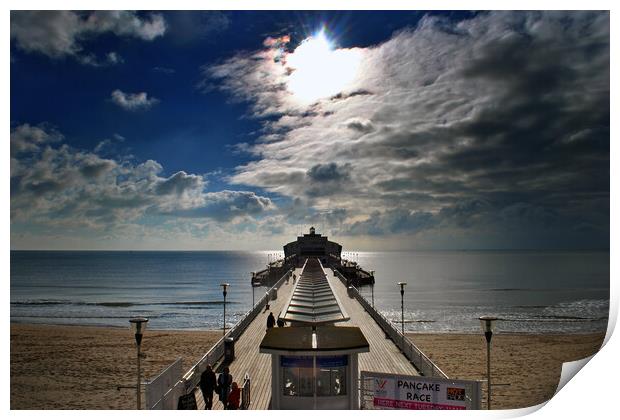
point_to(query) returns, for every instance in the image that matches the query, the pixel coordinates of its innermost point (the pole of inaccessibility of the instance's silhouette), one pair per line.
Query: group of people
(271, 321)
(227, 390)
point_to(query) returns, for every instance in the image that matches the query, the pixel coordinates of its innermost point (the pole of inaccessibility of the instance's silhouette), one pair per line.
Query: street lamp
(487, 323)
(138, 325)
(224, 287)
(372, 288)
(402, 285)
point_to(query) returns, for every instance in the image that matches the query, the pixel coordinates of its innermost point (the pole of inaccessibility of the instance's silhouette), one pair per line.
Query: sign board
(390, 391)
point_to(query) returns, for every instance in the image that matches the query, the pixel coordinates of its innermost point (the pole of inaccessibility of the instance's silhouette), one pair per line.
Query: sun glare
(319, 70)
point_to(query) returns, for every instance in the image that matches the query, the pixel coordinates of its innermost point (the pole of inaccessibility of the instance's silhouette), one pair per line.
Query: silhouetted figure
(224, 382)
(234, 397)
(280, 322)
(271, 321)
(207, 386)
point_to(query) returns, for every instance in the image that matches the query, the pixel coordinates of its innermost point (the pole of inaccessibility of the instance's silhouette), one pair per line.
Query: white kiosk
(314, 363)
(314, 368)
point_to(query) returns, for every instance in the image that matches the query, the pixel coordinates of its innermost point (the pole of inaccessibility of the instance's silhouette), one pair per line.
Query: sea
(446, 291)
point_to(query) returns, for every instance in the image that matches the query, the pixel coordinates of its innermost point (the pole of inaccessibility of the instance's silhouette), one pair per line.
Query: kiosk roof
(328, 338)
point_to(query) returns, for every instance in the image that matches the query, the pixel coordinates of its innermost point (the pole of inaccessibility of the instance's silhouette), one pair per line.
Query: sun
(319, 70)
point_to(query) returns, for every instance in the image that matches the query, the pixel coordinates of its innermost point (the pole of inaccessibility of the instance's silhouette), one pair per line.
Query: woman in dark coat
(207, 386)
(224, 382)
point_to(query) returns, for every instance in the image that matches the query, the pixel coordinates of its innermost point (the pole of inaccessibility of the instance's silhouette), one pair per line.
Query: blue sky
(236, 129)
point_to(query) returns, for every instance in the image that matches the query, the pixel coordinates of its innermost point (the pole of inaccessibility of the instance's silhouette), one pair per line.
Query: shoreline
(79, 367)
(408, 333)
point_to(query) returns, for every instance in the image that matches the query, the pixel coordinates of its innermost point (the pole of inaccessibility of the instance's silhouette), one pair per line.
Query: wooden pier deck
(249, 360)
(384, 355)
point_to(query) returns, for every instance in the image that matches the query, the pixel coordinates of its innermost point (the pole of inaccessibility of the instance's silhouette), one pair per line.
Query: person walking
(234, 397)
(224, 381)
(280, 322)
(207, 386)
(271, 320)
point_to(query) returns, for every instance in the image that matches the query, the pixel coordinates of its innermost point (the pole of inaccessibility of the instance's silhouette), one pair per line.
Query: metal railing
(156, 390)
(167, 398)
(191, 379)
(423, 363)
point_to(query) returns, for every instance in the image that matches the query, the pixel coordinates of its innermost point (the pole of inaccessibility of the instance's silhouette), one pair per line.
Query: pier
(389, 352)
(384, 355)
(332, 335)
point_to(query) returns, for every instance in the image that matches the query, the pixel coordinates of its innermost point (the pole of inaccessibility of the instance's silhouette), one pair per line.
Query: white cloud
(54, 186)
(60, 34)
(133, 101)
(441, 114)
(27, 138)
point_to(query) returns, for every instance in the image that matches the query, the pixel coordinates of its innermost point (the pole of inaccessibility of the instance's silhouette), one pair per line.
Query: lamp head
(138, 325)
(224, 287)
(487, 323)
(402, 285)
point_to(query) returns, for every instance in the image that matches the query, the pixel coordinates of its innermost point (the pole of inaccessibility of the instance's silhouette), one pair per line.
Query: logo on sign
(455, 394)
(380, 387)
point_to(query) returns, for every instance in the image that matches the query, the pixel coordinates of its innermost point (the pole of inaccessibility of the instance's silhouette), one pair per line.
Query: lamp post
(372, 288)
(224, 292)
(402, 285)
(138, 325)
(487, 323)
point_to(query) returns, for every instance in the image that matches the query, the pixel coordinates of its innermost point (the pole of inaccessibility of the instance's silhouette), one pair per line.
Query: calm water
(446, 291)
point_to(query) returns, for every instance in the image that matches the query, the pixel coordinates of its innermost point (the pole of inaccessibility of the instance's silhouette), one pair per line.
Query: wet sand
(66, 367)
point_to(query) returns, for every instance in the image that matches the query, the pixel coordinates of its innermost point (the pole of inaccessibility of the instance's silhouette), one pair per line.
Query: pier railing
(192, 377)
(423, 363)
(168, 398)
(156, 390)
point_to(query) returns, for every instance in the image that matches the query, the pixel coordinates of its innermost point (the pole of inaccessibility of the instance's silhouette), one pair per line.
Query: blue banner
(332, 361)
(296, 361)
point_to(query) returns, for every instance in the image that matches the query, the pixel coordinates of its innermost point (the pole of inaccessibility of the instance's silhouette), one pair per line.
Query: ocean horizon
(531, 291)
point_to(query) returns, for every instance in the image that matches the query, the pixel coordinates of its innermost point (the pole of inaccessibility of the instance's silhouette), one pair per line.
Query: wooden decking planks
(384, 355)
(249, 360)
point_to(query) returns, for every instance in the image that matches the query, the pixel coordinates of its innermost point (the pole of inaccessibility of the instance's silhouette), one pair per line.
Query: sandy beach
(528, 366)
(66, 367)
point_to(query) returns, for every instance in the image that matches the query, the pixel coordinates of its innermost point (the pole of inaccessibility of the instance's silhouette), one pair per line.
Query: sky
(239, 129)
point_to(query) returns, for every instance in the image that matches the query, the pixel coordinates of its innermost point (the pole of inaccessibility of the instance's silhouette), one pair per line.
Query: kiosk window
(291, 381)
(331, 381)
(298, 376)
(297, 381)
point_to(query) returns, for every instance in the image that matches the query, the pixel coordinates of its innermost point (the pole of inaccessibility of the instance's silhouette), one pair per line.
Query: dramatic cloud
(26, 138)
(59, 34)
(62, 186)
(133, 101)
(499, 123)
